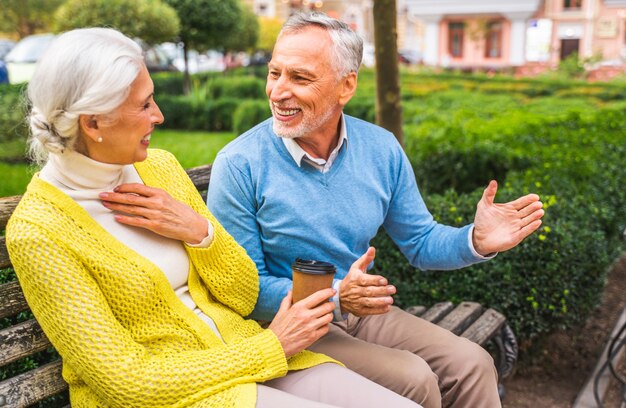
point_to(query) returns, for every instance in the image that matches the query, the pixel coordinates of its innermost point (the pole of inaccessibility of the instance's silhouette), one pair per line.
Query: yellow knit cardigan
(125, 338)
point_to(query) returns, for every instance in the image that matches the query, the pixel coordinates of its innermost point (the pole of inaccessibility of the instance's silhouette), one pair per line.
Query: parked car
(5, 46)
(210, 60)
(409, 56)
(4, 74)
(21, 60)
(157, 57)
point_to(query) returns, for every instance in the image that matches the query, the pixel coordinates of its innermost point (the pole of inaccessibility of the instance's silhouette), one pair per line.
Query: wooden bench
(24, 339)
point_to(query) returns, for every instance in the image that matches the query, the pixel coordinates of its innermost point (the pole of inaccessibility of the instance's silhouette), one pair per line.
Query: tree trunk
(388, 102)
(186, 77)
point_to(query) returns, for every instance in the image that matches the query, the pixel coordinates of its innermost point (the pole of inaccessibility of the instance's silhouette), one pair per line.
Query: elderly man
(314, 183)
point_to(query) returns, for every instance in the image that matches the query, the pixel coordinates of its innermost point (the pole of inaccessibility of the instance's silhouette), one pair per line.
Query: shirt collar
(298, 153)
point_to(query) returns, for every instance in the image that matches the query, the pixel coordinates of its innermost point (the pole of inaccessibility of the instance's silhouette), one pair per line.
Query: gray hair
(348, 45)
(86, 71)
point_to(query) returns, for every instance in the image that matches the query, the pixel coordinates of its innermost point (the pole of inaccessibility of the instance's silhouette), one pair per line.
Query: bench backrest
(24, 339)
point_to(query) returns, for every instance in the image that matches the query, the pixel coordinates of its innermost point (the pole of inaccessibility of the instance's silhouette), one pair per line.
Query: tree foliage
(26, 17)
(246, 32)
(206, 24)
(151, 20)
(270, 27)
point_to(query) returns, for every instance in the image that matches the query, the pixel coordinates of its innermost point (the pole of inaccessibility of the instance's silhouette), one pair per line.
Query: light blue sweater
(279, 211)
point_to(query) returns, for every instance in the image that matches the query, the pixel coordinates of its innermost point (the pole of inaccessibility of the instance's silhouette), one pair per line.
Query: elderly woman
(134, 282)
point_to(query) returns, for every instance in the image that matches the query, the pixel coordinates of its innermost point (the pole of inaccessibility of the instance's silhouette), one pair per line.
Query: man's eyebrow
(293, 71)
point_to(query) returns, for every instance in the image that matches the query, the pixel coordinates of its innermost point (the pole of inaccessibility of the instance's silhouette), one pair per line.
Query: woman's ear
(89, 126)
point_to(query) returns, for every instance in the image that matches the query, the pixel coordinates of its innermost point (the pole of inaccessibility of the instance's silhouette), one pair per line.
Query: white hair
(86, 71)
(347, 45)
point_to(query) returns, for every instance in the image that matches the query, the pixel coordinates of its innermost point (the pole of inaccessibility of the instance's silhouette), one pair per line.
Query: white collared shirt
(298, 154)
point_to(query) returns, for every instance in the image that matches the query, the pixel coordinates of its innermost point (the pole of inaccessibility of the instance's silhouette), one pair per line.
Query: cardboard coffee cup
(310, 276)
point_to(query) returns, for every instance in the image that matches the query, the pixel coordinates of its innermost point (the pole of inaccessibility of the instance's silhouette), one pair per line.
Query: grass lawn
(191, 148)
(15, 178)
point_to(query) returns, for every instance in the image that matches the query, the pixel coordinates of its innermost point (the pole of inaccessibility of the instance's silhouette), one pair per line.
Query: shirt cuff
(471, 245)
(338, 316)
(207, 240)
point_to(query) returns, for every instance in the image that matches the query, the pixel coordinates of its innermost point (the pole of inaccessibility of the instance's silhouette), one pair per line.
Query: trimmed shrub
(167, 83)
(237, 87)
(13, 111)
(362, 108)
(250, 113)
(220, 113)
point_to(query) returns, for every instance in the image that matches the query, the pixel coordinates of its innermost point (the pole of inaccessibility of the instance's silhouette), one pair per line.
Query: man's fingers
(489, 194)
(524, 201)
(528, 229)
(534, 216)
(371, 280)
(378, 291)
(529, 209)
(363, 262)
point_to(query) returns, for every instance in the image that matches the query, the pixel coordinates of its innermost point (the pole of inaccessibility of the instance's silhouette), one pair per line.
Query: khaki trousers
(327, 385)
(414, 358)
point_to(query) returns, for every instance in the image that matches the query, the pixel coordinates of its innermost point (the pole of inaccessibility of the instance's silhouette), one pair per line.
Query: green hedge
(236, 87)
(574, 161)
(12, 113)
(250, 113)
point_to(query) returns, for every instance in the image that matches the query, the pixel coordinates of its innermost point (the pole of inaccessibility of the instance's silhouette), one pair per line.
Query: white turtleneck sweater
(83, 179)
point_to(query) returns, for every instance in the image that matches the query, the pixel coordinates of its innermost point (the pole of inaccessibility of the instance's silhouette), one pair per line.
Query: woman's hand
(155, 210)
(302, 324)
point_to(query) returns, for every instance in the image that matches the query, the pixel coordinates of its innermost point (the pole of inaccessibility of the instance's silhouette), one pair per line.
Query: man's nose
(280, 89)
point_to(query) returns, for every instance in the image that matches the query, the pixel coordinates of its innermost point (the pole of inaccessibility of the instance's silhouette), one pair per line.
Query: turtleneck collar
(76, 171)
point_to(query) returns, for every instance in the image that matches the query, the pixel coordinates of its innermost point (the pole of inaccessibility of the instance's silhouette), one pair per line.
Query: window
(572, 4)
(455, 39)
(493, 40)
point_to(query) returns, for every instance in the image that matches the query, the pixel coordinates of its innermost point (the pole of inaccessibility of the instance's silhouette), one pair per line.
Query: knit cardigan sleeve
(224, 266)
(76, 317)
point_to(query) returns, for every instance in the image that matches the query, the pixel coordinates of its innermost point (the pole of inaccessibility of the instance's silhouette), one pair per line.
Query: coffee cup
(309, 276)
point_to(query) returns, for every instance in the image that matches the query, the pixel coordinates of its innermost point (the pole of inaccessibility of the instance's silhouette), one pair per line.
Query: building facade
(486, 34)
(591, 28)
(494, 34)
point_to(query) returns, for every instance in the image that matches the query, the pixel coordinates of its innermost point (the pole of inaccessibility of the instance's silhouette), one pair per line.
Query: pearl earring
(99, 139)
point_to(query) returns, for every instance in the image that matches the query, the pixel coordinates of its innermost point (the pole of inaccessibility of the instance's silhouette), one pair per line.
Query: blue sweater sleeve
(232, 201)
(426, 244)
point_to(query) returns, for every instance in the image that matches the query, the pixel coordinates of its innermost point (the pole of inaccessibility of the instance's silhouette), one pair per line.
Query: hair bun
(44, 131)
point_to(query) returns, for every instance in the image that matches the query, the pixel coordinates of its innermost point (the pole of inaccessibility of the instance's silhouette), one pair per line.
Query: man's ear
(348, 88)
(89, 126)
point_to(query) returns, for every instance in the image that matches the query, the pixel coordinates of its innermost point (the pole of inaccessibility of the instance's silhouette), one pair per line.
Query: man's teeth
(286, 112)
(147, 138)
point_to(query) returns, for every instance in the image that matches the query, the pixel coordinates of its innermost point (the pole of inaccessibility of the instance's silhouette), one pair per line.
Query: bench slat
(200, 176)
(22, 340)
(5, 262)
(437, 311)
(31, 387)
(461, 317)
(12, 299)
(416, 310)
(7, 205)
(485, 327)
